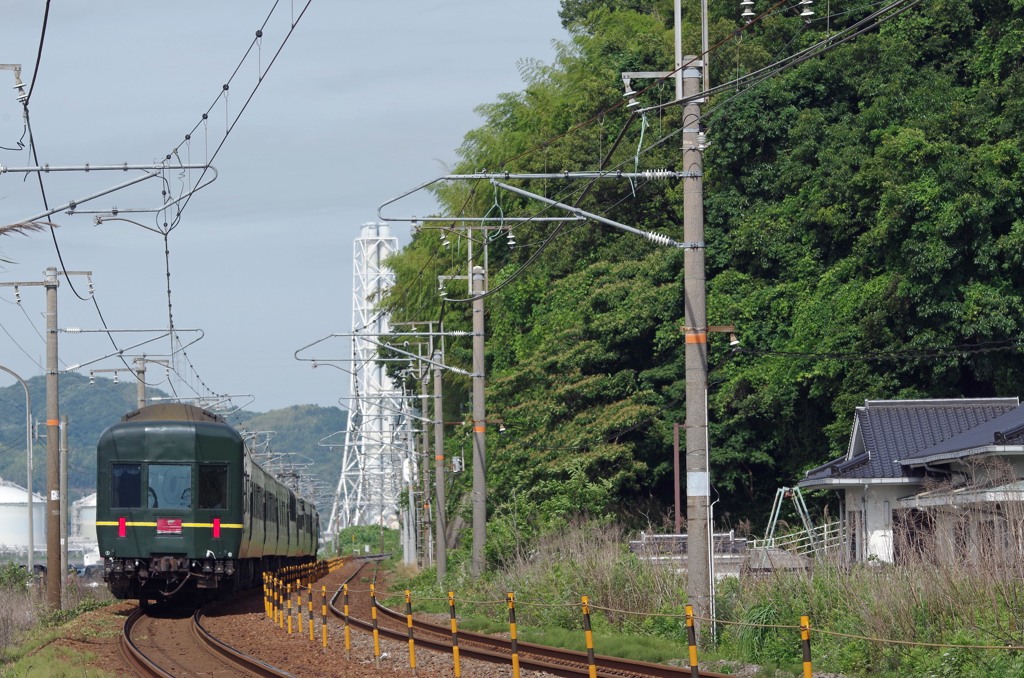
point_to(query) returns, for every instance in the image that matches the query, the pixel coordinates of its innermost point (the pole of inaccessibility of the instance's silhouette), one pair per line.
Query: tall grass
(958, 580)
(23, 603)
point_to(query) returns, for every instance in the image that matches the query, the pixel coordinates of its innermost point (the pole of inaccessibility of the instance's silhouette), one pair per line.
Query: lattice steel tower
(371, 472)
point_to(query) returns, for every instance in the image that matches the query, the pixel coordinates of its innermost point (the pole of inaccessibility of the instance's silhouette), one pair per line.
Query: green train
(182, 510)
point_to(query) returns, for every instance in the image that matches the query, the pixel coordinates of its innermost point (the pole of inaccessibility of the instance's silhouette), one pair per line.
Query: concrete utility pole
(479, 427)
(698, 484)
(54, 498)
(439, 491)
(54, 577)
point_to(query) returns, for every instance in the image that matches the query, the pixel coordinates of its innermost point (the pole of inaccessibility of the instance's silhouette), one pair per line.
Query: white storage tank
(14, 517)
(83, 518)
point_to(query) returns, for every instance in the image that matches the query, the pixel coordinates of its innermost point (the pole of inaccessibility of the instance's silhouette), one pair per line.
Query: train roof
(173, 412)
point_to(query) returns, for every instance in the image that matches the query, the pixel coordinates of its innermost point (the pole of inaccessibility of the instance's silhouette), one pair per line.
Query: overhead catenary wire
(868, 23)
(178, 208)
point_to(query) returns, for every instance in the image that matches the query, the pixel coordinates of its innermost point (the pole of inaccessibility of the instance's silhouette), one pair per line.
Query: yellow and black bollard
(344, 610)
(455, 635)
(310, 609)
(588, 635)
(323, 615)
(512, 634)
(280, 604)
(805, 642)
(691, 639)
(288, 595)
(376, 631)
(408, 620)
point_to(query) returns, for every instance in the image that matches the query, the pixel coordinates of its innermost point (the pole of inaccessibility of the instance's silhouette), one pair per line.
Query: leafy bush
(14, 577)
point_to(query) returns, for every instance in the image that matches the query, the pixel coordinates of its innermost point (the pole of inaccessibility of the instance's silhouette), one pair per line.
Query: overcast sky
(365, 101)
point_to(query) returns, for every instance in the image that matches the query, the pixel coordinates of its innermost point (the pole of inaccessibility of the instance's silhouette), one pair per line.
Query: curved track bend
(163, 644)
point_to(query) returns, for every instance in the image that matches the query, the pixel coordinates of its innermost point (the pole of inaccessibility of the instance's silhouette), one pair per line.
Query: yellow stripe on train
(114, 523)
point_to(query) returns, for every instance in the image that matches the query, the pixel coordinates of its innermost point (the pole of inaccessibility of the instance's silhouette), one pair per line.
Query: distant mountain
(93, 406)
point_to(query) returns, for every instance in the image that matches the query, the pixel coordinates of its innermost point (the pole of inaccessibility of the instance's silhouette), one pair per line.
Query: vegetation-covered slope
(864, 234)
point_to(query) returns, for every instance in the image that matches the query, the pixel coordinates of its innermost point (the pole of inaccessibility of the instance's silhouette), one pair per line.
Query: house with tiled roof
(922, 472)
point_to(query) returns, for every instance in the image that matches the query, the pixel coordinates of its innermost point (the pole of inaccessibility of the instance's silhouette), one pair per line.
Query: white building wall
(875, 503)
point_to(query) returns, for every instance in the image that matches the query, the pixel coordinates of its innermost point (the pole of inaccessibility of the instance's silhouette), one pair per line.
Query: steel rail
(135, 657)
(144, 666)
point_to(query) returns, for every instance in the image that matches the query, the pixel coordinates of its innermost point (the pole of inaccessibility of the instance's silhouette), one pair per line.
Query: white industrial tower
(375, 440)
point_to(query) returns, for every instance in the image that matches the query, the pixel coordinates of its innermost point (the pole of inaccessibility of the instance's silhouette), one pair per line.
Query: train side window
(213, 486)
(170, 486)
(126, 486)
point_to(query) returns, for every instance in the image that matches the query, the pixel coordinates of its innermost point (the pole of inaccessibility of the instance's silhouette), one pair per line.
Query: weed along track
(423, 635)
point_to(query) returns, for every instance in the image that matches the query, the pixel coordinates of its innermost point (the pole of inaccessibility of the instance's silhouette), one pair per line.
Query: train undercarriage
(175, 576)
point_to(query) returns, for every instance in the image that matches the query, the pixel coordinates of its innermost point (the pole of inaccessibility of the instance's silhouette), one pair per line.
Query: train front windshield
(170, 486)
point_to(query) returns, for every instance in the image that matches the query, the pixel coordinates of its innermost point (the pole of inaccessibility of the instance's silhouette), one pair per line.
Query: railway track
(556, 661)
(162, 643)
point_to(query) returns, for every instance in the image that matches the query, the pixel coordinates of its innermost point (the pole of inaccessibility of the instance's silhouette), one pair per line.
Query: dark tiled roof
(1006, 429)
(898, 429)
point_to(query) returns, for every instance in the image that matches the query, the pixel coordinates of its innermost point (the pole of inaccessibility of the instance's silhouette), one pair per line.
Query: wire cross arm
(450, 368)
(72, 205)
(105, 215)
(656, 238)
(366, 335)
(163, 333)
(477, 176)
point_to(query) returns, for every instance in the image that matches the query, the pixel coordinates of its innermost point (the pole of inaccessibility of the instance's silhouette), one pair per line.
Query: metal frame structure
(371, 469)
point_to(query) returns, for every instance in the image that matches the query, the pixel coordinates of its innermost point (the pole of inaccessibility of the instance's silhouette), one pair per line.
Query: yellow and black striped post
(691, 639)
(455, 635)
(323, 616)
(514, 639)
(266, 596)
(344, 610)
(805, 641)
(310, 609)
(408, 621)
(588, 634)
(288, 595)
(376, 631)
(280, 603)
(273, 598)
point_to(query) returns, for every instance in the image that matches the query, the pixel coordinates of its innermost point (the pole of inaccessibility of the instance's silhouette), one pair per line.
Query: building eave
(985, 450)
(825, 483)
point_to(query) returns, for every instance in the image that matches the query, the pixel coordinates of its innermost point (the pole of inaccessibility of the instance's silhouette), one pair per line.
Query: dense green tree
(864, 233)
